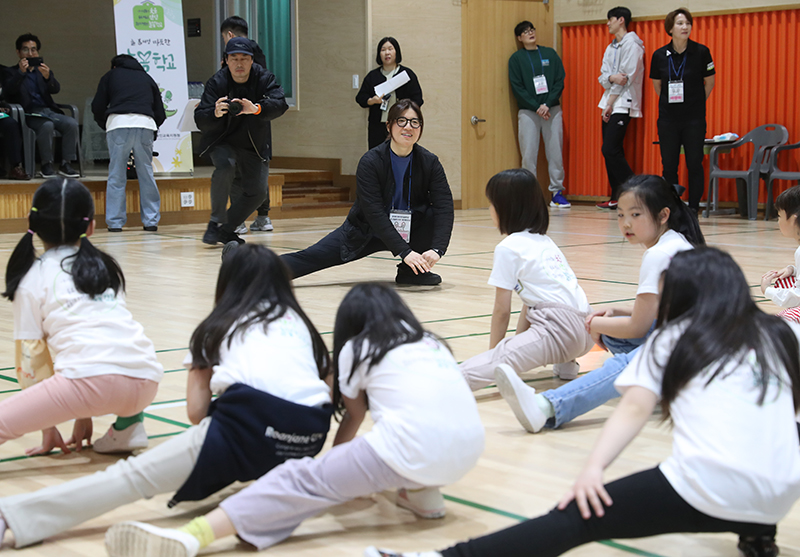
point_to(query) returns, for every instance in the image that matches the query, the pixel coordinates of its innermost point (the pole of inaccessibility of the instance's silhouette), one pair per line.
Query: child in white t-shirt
(781, 286)
(551, 327)
(649, 213)
(69, 302)
(735, 466)
(426, 433)
(262, 356)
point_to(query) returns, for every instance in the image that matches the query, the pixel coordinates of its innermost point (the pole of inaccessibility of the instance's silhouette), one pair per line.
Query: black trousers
(645, 504)
(10, 141)
(328, 251)
(617, 166)
(691, 134)
(251, 190)
(376, 133)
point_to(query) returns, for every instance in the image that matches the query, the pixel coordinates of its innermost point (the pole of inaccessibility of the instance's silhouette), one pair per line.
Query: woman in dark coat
(388, 60)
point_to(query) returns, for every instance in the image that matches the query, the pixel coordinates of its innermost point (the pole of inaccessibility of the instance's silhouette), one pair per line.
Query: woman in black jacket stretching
(403, 204)
(388, 60)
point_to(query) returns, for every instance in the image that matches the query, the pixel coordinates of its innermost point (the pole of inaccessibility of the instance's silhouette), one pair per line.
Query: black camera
(35, 61)
(234, 108)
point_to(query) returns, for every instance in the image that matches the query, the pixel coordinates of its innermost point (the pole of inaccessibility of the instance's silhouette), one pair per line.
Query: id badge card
(540, 84)
(385, 104)
(401, 220)
(675, 93)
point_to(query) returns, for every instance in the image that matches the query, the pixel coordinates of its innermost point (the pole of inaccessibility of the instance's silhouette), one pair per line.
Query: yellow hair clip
(34, 209)
(83, 236)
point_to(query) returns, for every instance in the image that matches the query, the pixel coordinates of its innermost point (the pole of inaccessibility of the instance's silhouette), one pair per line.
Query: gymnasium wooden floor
(171, 277)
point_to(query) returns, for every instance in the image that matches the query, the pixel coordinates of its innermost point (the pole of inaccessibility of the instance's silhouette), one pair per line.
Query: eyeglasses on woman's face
(402, 122)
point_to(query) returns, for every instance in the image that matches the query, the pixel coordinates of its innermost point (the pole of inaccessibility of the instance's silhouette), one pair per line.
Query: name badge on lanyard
(401, 220)
(675, 86)
(540, 84)
(675, 93)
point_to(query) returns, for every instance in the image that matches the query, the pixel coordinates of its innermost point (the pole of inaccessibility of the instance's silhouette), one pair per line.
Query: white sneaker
(262, 224)
(425, 503)
(241, 229)
(567, 371)
(373, 551)
(138, 539)
(129, 439)
(520, 397)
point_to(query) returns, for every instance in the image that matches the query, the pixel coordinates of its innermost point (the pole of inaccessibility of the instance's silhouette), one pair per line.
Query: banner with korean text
(152, 32)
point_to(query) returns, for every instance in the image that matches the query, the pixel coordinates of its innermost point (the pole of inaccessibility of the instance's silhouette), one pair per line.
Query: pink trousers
(58, 399)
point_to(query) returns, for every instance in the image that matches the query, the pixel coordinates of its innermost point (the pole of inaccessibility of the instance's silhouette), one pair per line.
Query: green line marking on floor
(7, 378)
(166, 420)
(10, 391)
(160, 435)
(520, 518)
(170, 350)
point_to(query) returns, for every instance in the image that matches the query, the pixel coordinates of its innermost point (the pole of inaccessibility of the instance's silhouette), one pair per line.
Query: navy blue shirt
(32, 85)
(400, 166)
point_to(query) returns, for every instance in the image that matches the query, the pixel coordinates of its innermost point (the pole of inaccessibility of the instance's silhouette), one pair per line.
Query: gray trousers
(269, 510)
(45, 132)
(557, 334)
(51, 510)
(254, 190)
(531, 125)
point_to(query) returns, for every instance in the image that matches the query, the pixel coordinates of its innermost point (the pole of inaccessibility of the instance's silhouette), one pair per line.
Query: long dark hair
(374, 314)
(705, 288)
(61, 213)
(656, 194)
(253, 287)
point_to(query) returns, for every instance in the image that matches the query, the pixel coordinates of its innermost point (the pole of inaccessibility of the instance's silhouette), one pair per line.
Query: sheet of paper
(390, 85)
(187, 119)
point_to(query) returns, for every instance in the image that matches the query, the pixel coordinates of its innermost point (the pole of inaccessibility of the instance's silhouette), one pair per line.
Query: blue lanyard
(679, 73)
(539, 50)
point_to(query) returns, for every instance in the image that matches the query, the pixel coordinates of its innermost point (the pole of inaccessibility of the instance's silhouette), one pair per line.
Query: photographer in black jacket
(234, 115)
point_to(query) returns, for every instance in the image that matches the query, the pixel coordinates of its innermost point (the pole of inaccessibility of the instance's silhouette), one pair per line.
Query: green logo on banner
(148, 17)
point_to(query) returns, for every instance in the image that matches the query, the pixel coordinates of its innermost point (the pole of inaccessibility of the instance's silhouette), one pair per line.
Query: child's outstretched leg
(124, 436)
(269, 510)
(557, 335)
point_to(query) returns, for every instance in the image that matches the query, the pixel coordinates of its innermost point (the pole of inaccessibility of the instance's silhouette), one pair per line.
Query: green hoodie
(521, 67)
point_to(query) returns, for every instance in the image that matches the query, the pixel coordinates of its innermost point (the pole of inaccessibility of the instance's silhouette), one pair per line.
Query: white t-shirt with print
(656, 259)
(533, 266)
(279, 361)
(731, 458)
(87, 336)
(426, 423)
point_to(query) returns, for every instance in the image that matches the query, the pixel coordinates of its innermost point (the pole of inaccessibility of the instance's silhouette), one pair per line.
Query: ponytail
(94, 271)
(19, 264)
(684, 220)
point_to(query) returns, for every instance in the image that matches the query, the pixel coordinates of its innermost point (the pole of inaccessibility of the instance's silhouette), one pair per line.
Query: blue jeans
(121, 142)
(589, 391)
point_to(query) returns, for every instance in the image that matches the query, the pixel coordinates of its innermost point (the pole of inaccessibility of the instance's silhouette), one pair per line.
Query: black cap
(239, 45)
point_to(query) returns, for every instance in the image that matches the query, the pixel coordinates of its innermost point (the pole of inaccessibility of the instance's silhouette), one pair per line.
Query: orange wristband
(257, 112)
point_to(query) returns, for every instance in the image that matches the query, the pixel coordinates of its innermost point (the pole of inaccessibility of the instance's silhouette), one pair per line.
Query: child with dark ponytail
(69, 303)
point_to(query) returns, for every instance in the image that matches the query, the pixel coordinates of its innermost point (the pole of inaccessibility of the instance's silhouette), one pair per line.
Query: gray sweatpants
(531, 125)
(163, 469)
(269, 510)
(557, 334)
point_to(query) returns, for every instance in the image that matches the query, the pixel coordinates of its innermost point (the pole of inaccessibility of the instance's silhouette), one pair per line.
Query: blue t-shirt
(400, 165)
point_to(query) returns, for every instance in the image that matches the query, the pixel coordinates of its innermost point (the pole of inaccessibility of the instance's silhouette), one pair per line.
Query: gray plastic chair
(775, 173)
(763, 138)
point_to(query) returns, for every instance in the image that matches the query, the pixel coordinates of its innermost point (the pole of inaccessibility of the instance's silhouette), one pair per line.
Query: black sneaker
(762, 546)
(211, 237)
(66, 170)
(226, 237)
(407, 277)
(150, 228)
(48, 171)
(113, 229)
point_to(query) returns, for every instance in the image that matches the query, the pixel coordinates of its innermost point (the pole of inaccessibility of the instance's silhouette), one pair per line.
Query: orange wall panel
(757, 58)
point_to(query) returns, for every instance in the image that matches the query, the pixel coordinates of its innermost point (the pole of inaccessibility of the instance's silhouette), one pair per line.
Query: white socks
(545, 406)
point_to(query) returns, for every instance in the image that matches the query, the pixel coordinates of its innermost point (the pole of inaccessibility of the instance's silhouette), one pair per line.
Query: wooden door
(487, 43)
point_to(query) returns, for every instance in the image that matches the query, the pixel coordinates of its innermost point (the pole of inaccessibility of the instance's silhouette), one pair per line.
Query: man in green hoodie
(537, 80)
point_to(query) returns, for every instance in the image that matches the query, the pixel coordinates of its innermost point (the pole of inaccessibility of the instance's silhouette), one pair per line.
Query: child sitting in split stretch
(781, 286)
(734, 466)
(426, 433)
(551, 327)
(70, 303)
(261, 354)
(650, 213)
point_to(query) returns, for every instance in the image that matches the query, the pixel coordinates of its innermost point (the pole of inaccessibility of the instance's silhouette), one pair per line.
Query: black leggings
(645, 504)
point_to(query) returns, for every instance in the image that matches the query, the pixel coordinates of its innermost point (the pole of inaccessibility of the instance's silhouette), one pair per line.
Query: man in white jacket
(621, 75)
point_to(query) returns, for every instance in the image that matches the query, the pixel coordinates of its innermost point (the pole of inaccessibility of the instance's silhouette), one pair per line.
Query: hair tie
(31, 232)
(82, 236)
(86, 218)
(34, 209)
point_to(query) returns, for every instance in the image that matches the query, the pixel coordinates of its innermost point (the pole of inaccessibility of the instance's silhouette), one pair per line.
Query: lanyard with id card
(675, 93)
(401, 218)
(539, 81)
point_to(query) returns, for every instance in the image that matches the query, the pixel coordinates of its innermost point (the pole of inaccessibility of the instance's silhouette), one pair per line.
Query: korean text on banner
(152, 32)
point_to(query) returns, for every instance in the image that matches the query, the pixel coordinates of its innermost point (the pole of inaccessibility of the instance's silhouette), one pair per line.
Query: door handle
(475, 120)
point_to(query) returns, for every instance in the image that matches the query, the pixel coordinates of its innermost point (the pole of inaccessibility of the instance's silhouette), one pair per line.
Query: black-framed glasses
(529, 31)
(415, 122)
